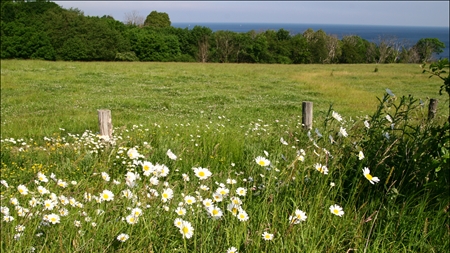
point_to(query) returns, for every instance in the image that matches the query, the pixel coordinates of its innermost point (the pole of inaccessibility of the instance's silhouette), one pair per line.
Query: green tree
(225, 45)
(353, 49)
(299, 49)
(317, 46)
(151, 45)
(242, 40)
(187, 51)
(371, 52)
(280, 46)
(333, 48)
(201, 40)
(157, 20)
(426, 47)
(101, 38)
(74, 49)
(273, 47)
(256, 50)
(22, 32)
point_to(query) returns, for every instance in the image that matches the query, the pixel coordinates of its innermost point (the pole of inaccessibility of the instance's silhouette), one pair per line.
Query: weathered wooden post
(307, 115)
(432, 108)
(105, 122)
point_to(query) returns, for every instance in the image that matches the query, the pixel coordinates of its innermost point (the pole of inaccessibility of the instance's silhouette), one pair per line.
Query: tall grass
(406, 211)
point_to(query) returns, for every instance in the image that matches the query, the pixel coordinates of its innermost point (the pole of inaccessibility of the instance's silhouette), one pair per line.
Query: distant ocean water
(408, 35)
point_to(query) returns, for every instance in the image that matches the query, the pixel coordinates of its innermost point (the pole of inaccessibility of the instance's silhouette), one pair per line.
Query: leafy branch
(438, 69)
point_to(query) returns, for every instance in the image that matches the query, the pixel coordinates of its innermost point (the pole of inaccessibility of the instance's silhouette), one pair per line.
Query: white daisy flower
(186, 229)
(22, 189)
(202, 173)
(360, 155)
(107, 195)
(343, 132)
(336, 210)
(171, 155)
(53, 218)
(262, 161)
(241, 191)
(336, 116)
(267, 236)
(369, 177)
(298, 217)
(122, 237)
(242, 215)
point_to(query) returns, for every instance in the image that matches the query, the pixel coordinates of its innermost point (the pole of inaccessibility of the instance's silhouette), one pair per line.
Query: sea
(407, 35)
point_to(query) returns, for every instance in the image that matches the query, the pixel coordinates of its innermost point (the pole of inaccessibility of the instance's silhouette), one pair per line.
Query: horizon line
(295, 23)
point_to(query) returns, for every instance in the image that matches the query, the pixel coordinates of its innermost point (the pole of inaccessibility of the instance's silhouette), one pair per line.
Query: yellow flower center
(105, 196)
(215, 212)
(146, 167)
(185, 230)
(261, 163)
(165, 195)
(368, 176)
(335, 211)
(201, 173)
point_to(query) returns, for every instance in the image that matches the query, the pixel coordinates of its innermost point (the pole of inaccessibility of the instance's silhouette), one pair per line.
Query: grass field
(41, 97)
(214, 158)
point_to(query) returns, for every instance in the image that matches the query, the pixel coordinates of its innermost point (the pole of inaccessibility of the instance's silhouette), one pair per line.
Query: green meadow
(41, 96)
(214, 158)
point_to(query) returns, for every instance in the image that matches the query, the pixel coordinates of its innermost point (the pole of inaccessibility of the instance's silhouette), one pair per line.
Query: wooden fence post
(432, 108)
(307, 115)
(105, 122)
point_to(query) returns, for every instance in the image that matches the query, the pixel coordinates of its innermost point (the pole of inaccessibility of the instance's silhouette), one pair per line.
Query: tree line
(44, 30)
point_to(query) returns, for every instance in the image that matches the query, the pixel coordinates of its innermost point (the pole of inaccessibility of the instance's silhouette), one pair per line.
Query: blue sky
(396, 13)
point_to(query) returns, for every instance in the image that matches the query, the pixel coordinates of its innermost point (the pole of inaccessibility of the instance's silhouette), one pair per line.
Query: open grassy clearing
(41, 96)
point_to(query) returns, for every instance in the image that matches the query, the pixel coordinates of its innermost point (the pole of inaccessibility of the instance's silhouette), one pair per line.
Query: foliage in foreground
(363, 185)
